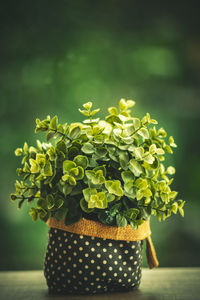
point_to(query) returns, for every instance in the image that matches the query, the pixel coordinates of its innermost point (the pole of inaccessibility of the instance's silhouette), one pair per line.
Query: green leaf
(67, 188)
(65, 177)
(123, 159)
(84, 206)
(101, 151)
(160, 151)
(114, 187)
(102, 168)
(42, 203)
(61, 146)
(171, 142)
(88, 192)
(18, 152)
(61, 214)
(152, 149)
(53, 123)
(13, 197)
(115, 209)
(80, 173)
(94, 112)
(181, 211)
(75, 133)
(88, 148)
(168, 149)
(113, 110)
(171, 170)
(50, 135)
(34, 166)
(33, 213)
(59, 202)
(121, 220)
(162, 132)
(87, 105)
(47, 171)
(84, 112)
(50, 201)
(72, 180)
(148, 158)
(174, 207)
(71, 219)
(131, 214)
(136, 123)
(110, 197)
(68, 165)
(127, 176)
(135, 167)
(143, 132)
(81, 161)
(98, 200)
(129, 188)
(74, 172)
(138, 152)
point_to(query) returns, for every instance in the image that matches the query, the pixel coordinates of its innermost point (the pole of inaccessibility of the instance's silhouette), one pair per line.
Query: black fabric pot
(80, 264)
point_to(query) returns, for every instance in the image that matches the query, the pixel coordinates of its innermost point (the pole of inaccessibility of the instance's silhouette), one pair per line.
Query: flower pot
(88, 264)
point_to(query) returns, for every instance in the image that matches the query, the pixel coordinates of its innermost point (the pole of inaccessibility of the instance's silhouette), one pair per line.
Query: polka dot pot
(80, 264)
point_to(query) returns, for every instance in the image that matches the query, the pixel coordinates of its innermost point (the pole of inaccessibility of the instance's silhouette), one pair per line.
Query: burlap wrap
(93, 228)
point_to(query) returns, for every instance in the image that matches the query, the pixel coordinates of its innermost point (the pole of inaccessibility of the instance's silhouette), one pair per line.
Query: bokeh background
(57, 55)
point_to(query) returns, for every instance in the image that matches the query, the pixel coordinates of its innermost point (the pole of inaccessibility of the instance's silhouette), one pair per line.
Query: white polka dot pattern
(79, 264)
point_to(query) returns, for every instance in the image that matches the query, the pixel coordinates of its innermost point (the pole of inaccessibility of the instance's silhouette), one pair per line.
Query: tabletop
(160, 283)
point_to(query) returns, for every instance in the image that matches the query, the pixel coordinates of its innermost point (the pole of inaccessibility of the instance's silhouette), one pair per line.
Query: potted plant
(96, 185)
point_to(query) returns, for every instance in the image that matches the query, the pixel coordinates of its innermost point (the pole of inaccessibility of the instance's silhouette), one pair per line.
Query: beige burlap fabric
(93, 228)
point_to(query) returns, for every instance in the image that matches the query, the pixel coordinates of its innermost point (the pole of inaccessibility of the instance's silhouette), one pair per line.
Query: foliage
(108, 170)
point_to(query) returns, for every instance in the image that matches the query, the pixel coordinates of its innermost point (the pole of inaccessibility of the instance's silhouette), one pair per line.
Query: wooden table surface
(160, 283)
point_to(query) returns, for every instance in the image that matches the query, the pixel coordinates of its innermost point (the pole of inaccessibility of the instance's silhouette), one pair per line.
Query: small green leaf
(67, 188)
(13, 197)
(88, 148)
(18, 152)
(84, 112)
(94, 112)
(152, 149)
(143, 132)
(174, 207)
(68, 165)
(61, 214)
(59, 202)
(110, 197)
(88, 192)
(171, 142)
(114, 187)
(34, 166)
(135, 167)
(75, 132)
(138, 152)
(72, 180)
(148, 158)
(50, 201)
(113, 110)
(84, 206)
(171, 170)
(81, 161)
(127, 176)
(160, 151)
(80, 173)
(121, 220)
(87, 105)
(33, 213)
(53, 123)
(47, 171)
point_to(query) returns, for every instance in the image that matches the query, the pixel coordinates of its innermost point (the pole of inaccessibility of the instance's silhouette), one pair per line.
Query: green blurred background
(57, 55)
